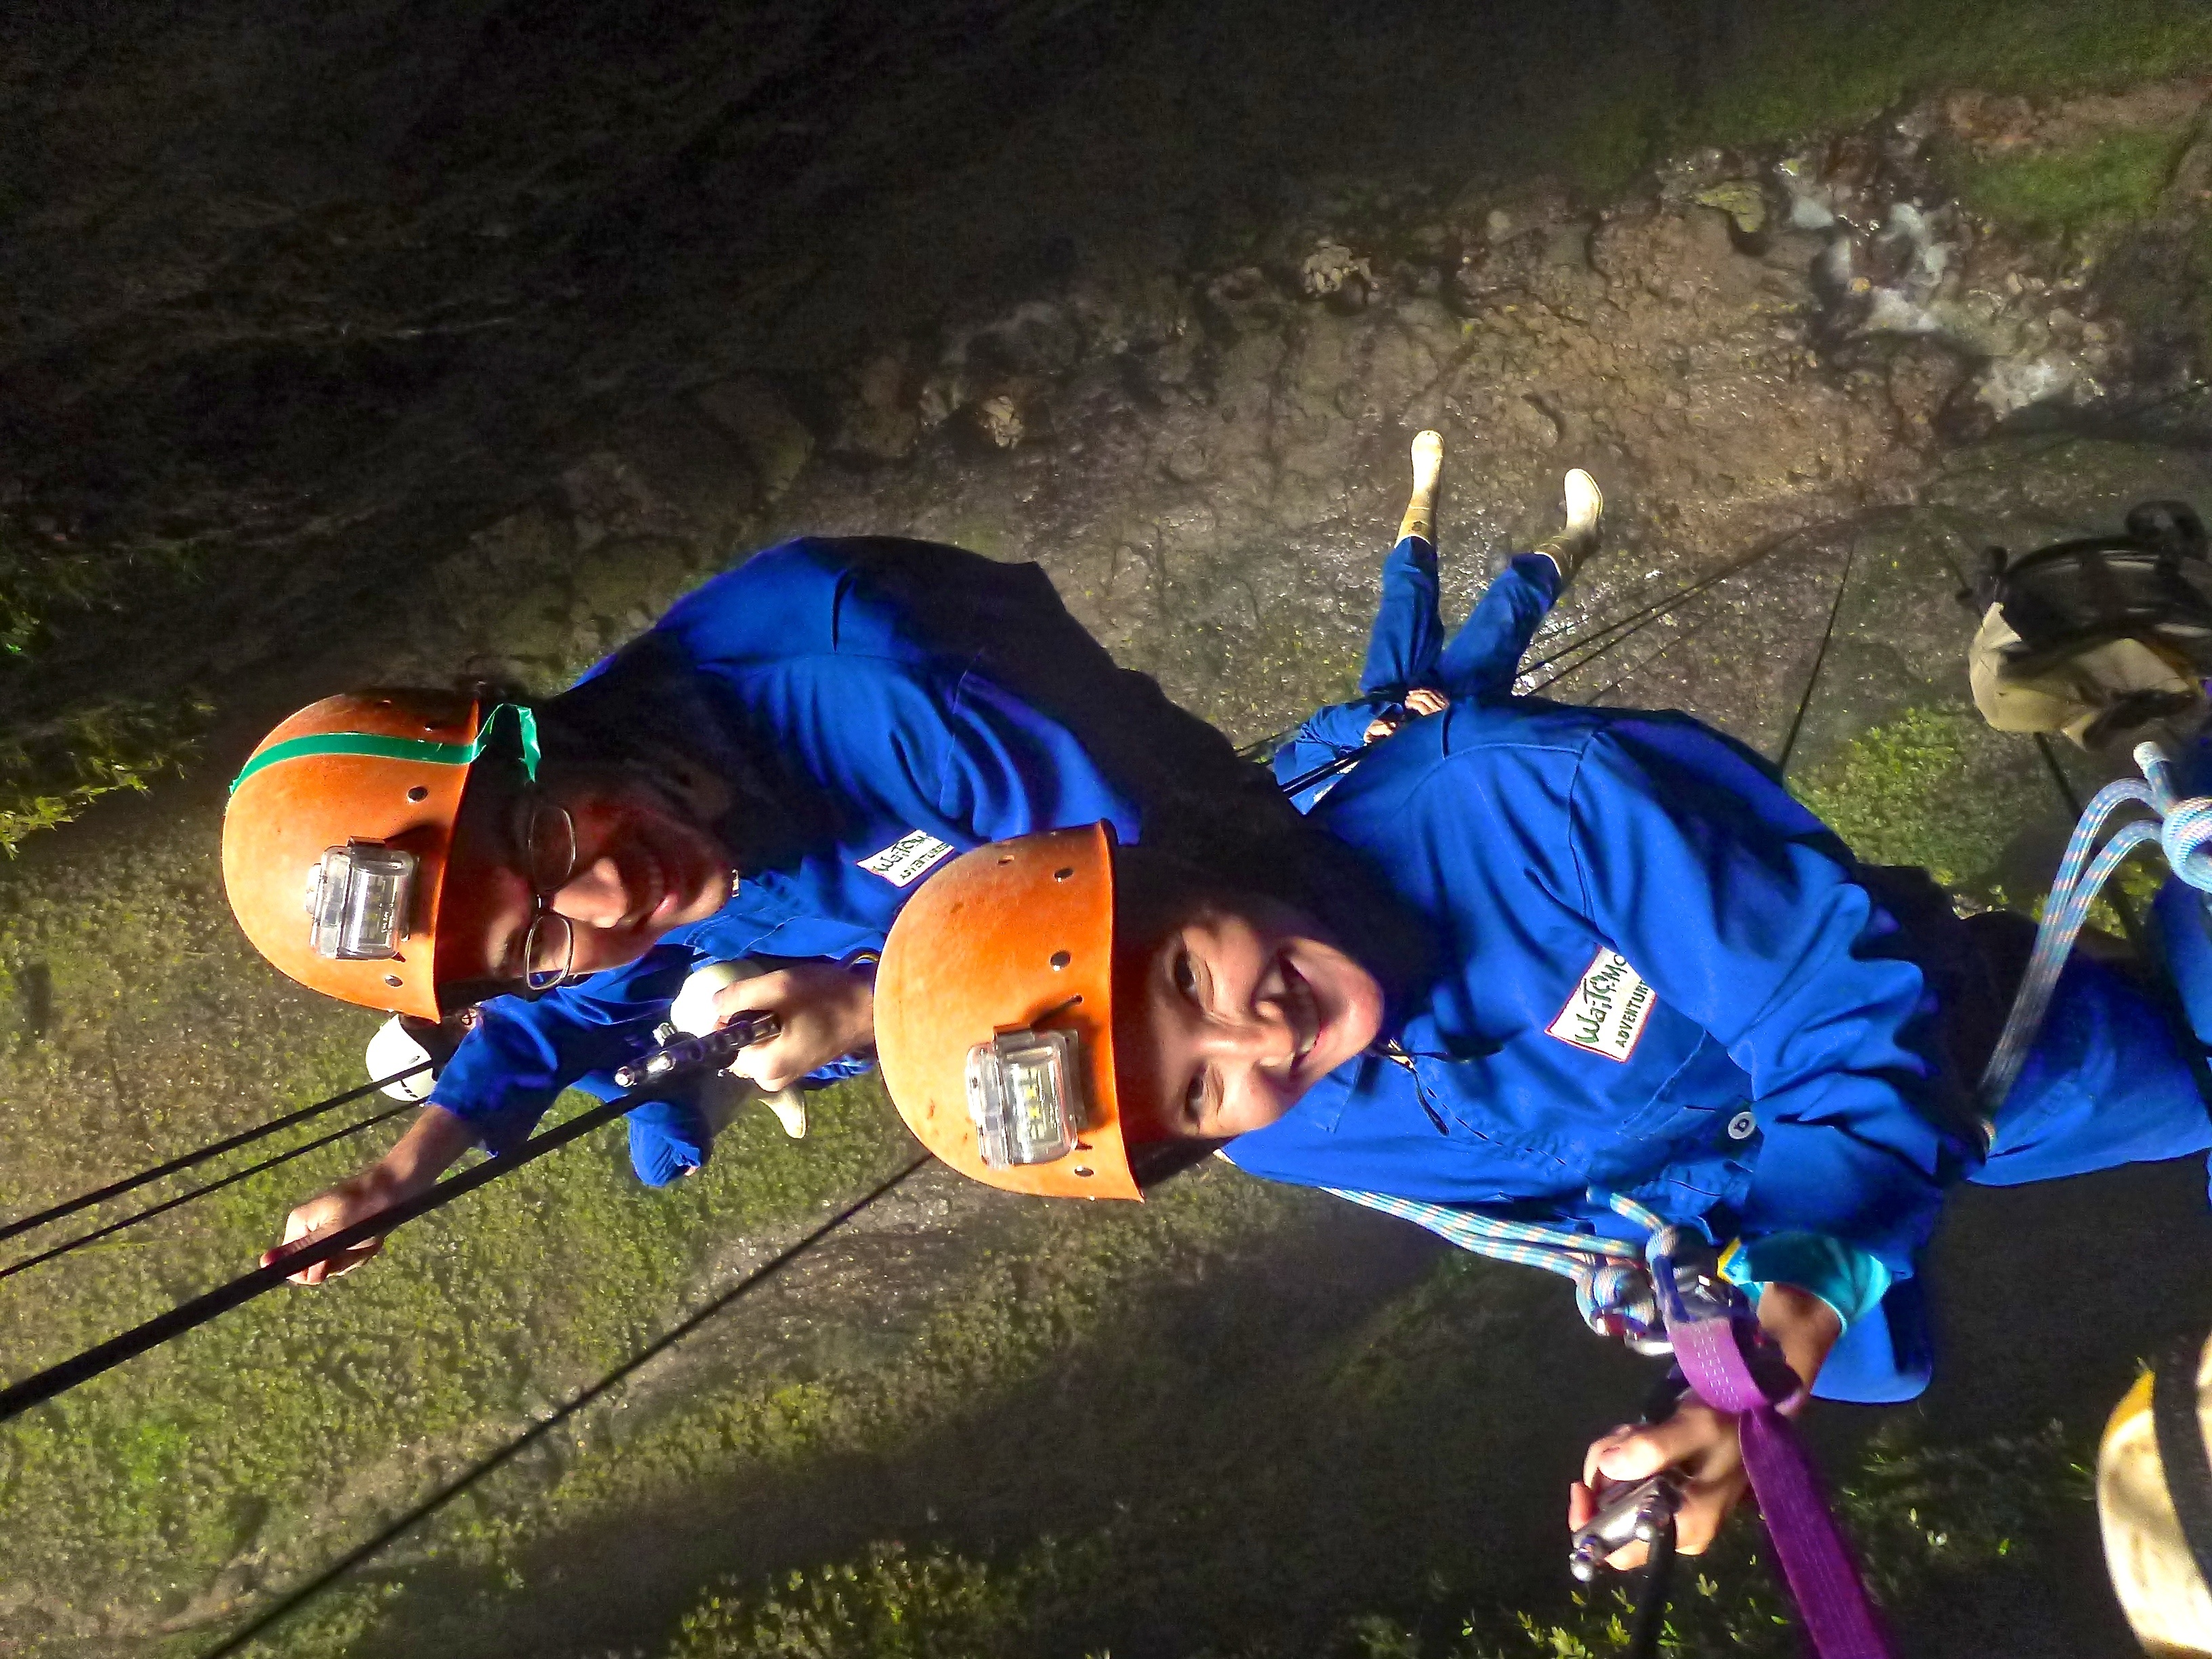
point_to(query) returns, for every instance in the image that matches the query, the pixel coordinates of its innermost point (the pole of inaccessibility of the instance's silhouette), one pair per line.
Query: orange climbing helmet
(336, 840)
(994, 1016)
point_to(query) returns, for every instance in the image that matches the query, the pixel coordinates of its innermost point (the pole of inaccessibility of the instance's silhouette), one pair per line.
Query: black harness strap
(2176, 1419)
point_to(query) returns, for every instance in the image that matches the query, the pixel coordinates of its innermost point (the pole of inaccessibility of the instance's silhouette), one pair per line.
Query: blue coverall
(894, 703)
(1407, 651)
(1643, 968)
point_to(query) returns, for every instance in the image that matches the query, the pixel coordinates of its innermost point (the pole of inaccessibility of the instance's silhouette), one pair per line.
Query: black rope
(1649, 657)
(538, 1430)
(1634, 621)
(1650, 1615)
(229, 1143)
(168, 1204)
(41, 1386)
(1820, 660)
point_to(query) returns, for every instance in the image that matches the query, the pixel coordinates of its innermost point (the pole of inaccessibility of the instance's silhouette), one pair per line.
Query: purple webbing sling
(1832, 1600)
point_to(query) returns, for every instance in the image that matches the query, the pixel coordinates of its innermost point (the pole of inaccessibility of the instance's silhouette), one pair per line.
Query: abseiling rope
(18, 1397)
(187, 1160)
(437, 1500)
(84, 1240)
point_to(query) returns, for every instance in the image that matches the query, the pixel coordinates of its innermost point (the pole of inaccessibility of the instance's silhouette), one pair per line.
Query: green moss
(1787, 70)
(933, 1604)
(2115, 179)
(48, 777)
(1922, 1518)
(1801, 66)
(1933, 787)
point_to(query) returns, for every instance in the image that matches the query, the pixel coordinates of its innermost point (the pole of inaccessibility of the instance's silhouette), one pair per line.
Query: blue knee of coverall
(2106, 1084)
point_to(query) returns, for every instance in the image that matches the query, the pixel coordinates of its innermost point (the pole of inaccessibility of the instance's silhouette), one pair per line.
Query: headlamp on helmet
(357, 898)
(1025, 1096)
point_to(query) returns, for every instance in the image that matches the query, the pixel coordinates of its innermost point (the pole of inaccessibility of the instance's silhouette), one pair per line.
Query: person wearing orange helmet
(764, 774)
(1563, 955)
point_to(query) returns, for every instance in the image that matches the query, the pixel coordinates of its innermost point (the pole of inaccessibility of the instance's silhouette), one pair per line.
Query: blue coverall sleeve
(523, 1053)
(1402, 647)
(1006, 769)
(1485, 655)
(1739, 907)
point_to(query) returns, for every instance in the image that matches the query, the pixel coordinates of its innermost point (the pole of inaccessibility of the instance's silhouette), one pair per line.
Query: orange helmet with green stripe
(336, 838)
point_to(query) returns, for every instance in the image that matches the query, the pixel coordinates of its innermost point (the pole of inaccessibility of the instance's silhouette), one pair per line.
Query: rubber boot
(1420, 517)
(789, 1106)
(1585, 509)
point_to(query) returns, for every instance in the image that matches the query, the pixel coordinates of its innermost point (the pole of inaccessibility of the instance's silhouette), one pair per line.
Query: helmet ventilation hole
(393, 980)
(1083, 1169)
(1062, 875)
(1006, 858)
(418, 793)
(1060, 959)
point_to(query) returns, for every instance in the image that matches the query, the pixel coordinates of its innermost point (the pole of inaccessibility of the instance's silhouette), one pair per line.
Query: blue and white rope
(2182, 831)
(1613, 1286)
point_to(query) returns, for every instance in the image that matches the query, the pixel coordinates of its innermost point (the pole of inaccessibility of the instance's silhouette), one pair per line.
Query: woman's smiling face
(1238, 1007)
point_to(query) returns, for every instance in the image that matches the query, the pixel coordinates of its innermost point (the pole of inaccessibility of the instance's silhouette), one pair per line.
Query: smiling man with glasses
(766, 774)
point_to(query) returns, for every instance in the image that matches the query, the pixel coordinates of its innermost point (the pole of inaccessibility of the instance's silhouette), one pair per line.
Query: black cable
(1820, 660)
(1650, 1616)
(229, 1143)
(169, 1203)
(538, 1430)
(1643, 615)
(18, 1397)
(1645, 661)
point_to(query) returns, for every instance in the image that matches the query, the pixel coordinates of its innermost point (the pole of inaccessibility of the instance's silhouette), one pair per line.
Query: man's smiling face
(639, 869)
(1230, 1012)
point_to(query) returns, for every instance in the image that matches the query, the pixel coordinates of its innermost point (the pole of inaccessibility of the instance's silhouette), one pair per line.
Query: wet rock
(877, 420)
(776, 442)
(1741, 199)
(606, 493)
(1921, 379)
(999, 419)
(1332, 271)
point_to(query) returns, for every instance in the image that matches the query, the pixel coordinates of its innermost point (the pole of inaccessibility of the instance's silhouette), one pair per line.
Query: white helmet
(393, 1049)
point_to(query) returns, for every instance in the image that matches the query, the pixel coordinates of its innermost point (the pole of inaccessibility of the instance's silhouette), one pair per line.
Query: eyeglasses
(549, 858)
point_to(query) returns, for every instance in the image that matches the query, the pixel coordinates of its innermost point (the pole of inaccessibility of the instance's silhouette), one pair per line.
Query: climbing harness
(2181, 828)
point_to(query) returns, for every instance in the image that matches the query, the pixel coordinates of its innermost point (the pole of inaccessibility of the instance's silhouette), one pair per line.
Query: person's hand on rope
(435, 1138)
(1700, 1442)
(826, 1010)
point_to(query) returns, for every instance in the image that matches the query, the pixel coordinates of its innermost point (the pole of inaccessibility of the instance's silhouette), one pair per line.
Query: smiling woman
(1228, 1006)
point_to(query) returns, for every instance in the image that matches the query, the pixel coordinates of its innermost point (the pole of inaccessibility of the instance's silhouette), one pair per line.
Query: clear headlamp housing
(1025, 1096)
(357, 901)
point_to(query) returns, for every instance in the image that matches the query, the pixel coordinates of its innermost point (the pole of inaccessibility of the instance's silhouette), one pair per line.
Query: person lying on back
(766, 774)
(1563, 954)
